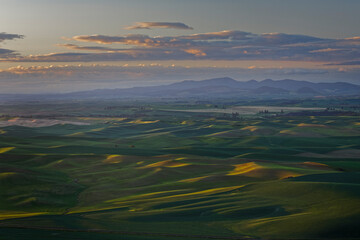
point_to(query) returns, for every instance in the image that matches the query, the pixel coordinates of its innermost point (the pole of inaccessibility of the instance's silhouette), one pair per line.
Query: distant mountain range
(228, 87)
(220, 88)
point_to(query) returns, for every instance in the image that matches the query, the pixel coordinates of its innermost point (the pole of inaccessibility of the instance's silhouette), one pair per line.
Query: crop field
(150, 173)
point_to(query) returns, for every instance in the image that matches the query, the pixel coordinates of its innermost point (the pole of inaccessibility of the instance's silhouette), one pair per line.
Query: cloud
(7, 53)
(151, 69)
(231, 37)
(196, 52)
(284, 39)
(119, 55)
(325, 50)
(151, 25)
(176, 41)
(7, 36)
(91, 48)
(222, 45)
(350, 63)
(226, 34)
(130, 39)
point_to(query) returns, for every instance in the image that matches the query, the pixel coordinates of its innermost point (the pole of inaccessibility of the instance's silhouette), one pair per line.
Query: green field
(145, 173)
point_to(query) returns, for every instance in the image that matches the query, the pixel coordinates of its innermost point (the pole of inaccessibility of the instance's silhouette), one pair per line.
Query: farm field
(158, 172)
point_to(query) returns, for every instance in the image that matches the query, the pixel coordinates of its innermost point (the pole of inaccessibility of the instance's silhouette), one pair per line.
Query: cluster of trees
(234, 115)
(124, 107)
(267, 111)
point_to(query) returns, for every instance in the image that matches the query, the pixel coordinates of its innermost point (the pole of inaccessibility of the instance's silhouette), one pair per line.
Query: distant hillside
(220, 88)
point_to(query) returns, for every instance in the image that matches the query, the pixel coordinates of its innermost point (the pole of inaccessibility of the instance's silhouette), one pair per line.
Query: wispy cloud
(151, 25)
(349, 63)
(120, 55)
(325, 50)
(222, 45)
(226, 34)
(92, 48)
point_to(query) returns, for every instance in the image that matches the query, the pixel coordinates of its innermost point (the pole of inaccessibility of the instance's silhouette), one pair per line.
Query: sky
(64, 46)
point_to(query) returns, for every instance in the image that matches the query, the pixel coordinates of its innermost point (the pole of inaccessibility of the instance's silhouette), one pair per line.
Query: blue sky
(246, 35)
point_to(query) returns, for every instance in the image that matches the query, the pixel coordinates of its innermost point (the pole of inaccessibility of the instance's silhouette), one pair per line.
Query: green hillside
(182, 176)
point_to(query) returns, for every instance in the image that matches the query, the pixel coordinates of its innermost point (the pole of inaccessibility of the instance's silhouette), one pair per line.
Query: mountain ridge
(225, 87)
(229, 85)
